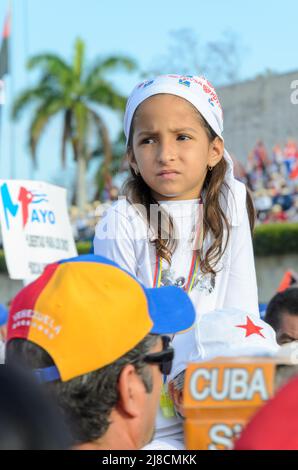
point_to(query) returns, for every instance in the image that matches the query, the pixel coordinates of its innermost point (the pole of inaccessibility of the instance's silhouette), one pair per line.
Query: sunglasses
(163, 358)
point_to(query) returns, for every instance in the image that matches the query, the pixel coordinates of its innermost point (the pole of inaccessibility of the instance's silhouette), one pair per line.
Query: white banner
(35, 226)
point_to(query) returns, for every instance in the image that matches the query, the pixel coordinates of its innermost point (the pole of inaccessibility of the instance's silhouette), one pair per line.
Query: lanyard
(194, 267)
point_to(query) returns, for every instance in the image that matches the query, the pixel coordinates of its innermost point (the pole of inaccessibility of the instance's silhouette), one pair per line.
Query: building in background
(259, 109)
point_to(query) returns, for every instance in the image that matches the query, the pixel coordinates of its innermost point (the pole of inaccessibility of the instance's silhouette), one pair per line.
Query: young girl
(183, 218)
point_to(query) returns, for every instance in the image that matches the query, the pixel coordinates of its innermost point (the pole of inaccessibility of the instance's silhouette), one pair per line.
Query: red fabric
(294, 173)
(286, 282)
(26, 300)
(290, 149)
(6, 30)
(275, 426)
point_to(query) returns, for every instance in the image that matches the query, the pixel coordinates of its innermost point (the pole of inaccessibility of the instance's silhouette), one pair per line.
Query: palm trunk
(81, 183)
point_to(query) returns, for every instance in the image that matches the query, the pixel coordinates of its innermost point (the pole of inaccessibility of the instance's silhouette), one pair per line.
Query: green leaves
(276, 239)
(79, 59)
(76, 91)
(42, 115)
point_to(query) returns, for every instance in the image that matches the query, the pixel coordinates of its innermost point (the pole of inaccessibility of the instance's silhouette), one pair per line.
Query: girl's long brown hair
(214, 220)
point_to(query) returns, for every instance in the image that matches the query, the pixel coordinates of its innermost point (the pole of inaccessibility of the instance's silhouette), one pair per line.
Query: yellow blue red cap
(87, 312)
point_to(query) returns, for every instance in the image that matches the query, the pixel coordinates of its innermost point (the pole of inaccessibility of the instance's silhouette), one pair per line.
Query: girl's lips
(168, 175)
(168, 172)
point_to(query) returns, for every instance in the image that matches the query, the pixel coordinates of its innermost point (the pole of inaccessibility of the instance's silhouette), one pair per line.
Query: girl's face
(170, 148)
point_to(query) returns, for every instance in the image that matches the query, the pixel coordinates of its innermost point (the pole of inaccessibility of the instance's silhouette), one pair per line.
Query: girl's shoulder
(122, 208)
(122, 218)
(235, 203)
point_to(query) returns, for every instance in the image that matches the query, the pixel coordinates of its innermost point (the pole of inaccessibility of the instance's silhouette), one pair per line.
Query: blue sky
(141, 30)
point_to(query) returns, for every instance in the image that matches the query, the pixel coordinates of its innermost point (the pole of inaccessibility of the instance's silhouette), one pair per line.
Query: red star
(251, 328)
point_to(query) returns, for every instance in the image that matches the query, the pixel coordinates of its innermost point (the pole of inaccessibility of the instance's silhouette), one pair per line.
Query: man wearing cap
(99, 338)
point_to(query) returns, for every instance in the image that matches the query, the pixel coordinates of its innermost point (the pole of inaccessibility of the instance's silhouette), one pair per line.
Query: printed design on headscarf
(184, 82)
(203, 282)
(187, 80)
(203, 83)
(146, 84)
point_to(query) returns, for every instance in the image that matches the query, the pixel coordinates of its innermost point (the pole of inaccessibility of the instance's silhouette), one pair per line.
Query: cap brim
(171, 310)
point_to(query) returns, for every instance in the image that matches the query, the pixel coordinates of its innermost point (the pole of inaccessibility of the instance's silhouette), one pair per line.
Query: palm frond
(105, 142)
(55, 72)
(101, 66)
(78, 61)
(49, 62)
(104, 94)
(41, 118)
(32, 95)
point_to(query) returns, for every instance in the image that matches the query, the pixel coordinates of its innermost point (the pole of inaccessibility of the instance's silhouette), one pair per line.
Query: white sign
(35, 226)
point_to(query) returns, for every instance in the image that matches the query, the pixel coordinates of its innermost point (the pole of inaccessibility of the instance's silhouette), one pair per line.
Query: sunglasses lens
(163, 358)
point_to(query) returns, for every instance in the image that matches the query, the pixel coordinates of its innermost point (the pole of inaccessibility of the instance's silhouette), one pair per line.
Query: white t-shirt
(123, 236)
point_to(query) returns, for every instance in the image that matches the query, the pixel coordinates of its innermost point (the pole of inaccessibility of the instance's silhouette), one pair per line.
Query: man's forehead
(289, 323)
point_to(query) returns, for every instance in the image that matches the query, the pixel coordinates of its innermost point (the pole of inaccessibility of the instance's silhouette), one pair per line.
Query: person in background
(282, 315)
(276, 214)
(290, 154)
(261, 159)
(99, 340)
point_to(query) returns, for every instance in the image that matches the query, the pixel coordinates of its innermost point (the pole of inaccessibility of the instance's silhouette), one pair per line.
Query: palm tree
(118, 165)
(74, 90)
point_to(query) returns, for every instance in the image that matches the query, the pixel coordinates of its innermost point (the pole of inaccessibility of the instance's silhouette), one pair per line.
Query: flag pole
(11, 76)
(4, 68)
(27, 54)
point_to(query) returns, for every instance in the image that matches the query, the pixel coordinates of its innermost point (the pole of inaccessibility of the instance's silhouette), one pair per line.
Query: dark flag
(4, 55)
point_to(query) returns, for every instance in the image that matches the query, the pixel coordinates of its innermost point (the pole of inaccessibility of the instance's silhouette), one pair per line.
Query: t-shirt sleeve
(242, 289)
(114, 239)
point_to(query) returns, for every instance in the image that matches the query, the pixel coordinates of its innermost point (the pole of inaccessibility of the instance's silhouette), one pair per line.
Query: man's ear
(216, 151)
(131, 392)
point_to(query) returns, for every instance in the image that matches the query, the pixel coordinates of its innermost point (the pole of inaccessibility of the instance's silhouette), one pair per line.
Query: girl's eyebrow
(173, 131)
(183, 129)
(146, 132)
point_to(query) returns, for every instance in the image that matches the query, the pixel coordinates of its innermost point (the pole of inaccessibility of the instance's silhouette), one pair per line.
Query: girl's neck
(178, 201)
(187, 197)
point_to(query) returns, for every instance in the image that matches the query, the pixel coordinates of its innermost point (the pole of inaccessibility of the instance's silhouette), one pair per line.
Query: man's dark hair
(85, 401)
(283, 302)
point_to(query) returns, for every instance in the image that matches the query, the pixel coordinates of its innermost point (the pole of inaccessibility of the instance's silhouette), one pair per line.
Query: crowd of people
(109, 335)
(273, 181)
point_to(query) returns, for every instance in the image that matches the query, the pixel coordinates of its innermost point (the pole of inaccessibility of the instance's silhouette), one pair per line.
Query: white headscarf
(197, 90)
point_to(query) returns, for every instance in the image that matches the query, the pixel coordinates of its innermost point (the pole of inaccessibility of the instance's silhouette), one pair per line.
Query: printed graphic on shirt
(203, 282)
